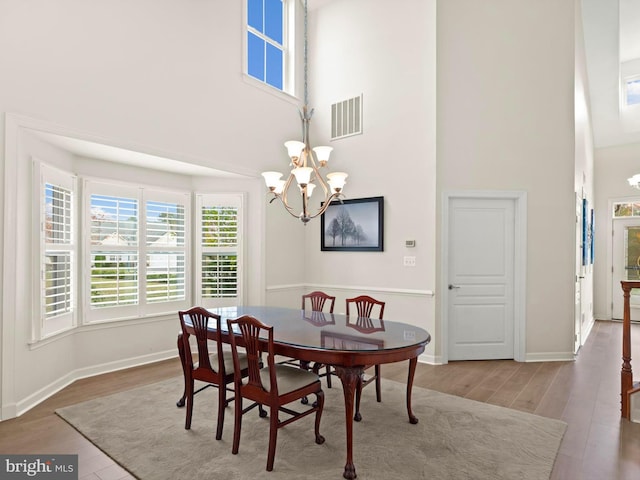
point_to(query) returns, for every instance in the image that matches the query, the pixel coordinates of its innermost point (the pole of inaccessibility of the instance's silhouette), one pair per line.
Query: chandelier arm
(286, 206)
(285, 191)
(321, 180)
(325, 205)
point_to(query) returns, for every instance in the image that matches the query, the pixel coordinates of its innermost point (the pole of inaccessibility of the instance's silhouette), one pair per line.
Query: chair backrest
(252, 333)
(365, 306)
(199, 318)
(318, 300)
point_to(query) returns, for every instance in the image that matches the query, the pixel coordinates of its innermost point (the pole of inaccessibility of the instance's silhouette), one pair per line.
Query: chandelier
(306, 162)
(634, 181)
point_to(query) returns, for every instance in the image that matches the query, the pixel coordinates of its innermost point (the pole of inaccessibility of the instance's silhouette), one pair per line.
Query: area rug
(143, 430)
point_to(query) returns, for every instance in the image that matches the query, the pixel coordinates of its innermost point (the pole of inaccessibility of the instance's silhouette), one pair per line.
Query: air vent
(346, 118)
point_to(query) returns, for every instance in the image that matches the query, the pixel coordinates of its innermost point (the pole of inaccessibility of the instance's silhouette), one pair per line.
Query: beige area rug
(143, 430)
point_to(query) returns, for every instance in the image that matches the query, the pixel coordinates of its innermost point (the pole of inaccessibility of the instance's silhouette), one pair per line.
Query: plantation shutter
(220, 249)
(58, 252)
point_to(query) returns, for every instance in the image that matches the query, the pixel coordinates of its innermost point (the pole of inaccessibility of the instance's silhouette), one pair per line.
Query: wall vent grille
(346, 118)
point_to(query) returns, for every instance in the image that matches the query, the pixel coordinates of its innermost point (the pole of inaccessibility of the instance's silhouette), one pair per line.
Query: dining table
(347, 343)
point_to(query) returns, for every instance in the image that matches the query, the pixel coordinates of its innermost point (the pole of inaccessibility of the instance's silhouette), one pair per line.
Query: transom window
(626, 209)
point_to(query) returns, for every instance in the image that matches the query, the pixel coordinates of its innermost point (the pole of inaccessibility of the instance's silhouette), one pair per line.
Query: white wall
(506, 122)
(613, 165)
(386, 52)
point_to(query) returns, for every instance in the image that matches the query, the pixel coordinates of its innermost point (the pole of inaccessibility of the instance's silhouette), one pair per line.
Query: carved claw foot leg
(349, 377)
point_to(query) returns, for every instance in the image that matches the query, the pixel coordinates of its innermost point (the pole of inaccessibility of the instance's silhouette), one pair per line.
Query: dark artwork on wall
(353, 225)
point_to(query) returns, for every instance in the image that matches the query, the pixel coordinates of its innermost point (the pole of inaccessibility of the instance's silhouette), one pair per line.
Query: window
(57, 251)
(266, 40)
(219, 250)
(626, 209)
(137, 251)
(632, 90)
(132, 252)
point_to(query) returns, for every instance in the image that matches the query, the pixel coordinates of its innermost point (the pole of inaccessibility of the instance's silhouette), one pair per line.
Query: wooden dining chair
(273, 386)
(317, 301)
(216, 369)
(365, 309)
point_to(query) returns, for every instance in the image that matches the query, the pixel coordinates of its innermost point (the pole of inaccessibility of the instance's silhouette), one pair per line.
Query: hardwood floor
(598, 445)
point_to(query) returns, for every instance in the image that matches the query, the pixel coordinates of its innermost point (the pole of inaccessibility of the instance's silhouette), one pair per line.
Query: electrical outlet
(409, 261)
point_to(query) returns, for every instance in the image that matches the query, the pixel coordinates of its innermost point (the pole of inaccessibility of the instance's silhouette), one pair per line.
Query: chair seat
(289, 378)
(228, 361)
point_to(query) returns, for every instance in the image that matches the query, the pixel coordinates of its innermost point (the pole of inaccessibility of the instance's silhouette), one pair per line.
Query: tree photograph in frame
(353, 225)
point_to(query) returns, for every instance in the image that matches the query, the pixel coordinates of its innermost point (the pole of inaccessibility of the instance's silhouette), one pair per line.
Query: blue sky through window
(633, 91)
(265, 36)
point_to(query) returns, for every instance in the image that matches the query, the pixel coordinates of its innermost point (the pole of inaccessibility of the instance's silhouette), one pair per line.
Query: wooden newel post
(626, 375)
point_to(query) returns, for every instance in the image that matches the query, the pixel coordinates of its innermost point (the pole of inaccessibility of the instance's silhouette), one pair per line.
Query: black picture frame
(363, 231)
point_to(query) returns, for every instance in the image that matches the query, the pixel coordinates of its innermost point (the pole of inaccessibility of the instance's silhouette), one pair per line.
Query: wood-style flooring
(598, 445)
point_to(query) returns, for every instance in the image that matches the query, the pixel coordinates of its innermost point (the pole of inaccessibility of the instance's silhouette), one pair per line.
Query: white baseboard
(25, 404)
(550, 357)
(430, 359)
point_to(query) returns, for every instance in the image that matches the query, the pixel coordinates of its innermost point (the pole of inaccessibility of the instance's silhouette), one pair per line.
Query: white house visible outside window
(137, 251)
(266, 34)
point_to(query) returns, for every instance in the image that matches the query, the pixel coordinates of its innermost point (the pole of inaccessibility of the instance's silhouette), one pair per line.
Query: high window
(266, 42)
(632, 90)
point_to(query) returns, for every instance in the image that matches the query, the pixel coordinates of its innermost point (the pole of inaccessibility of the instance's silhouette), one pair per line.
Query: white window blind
(114, 252)
(220, 249)
(166, 259)
(58, 251)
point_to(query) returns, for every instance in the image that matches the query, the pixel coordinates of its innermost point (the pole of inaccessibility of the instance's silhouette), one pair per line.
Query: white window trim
(289, 90)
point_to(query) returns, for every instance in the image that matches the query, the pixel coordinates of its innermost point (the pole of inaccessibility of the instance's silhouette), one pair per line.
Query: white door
(626, 265)
(481, 279)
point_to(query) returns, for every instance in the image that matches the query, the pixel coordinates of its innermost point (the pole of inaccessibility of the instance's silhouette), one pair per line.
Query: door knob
(451, 287)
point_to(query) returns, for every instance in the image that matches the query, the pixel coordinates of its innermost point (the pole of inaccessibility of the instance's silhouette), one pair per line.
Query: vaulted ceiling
(611, 35)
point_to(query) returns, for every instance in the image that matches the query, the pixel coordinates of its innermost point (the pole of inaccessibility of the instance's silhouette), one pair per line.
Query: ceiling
(100, 151)
(611, 35)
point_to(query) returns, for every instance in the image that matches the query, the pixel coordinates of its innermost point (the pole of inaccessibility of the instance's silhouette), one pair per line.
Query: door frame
(519, 264)
(609, 251)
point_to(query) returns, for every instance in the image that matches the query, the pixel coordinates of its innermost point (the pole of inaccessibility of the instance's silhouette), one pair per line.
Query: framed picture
(585, 232)
(353, 225)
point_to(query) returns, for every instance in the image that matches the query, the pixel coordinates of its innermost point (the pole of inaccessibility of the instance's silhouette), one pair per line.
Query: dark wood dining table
(347, 343)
